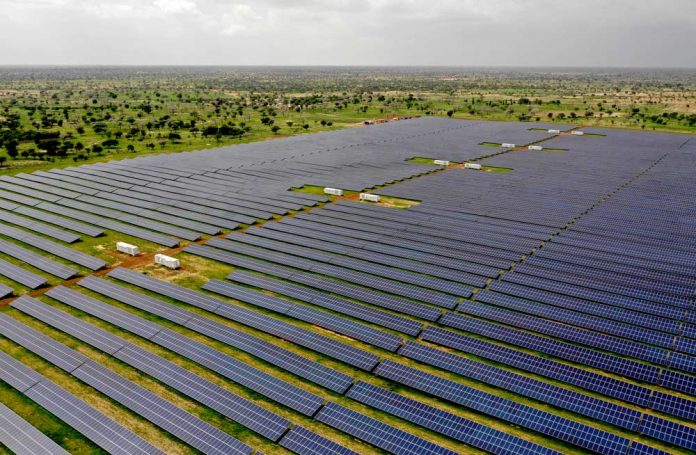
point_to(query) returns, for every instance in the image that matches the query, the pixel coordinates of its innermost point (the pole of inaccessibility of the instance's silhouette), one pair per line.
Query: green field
(52, 120)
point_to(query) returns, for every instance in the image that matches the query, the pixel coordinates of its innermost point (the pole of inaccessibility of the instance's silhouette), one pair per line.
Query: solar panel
(557, 396)
(18, 274)
(302, 441)
(531, 418)
(41, 228)
(5, 291)
(269, 352)
(625, 367)
(69, 254)
(375, 432)
(16, 374)
(60, 221)
(258, 381)
(459, 428)
(330, 302)
(162, 413)
(564, 331)
(102, 430)
(94, 425)
(303, 313)
(54, 352)
(36, 260)
(232, 406)
(669, 431)
(22, 438)
(364, 279)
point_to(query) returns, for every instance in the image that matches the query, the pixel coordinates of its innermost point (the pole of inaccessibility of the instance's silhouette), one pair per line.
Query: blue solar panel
(552, 347)
(302, 441)
(329, 302)
(230, 405)
(269, 352)
(304, 313)
(461, 429)
(531, 418)
(22, 438)
(377, 433)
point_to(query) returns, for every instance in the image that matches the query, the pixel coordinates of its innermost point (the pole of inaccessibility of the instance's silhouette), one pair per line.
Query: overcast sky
(655, 33)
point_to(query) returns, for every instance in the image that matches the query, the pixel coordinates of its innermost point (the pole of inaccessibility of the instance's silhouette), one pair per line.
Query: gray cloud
(344, 32)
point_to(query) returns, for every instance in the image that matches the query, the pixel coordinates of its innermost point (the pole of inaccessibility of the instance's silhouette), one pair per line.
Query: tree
(3, 158)
(289, 123)
(50, 145)
(275, 129)
(450, 113)
(130, 148)
(305, 126)
(11, 146)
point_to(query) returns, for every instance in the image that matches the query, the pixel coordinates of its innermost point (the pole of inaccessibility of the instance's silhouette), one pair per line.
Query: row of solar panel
(372, 250)
(605, 385)
(673, 380)
(100, 429)
(595, 412)
(51, 247)
(458, 231)
(564, 332)
(438, 270)
(676, 295)
(515, 245)
(353, 291)
(577, 319)
(437, 278)
(195, 433)
(676, 361)
(375, 282)
(126, 320)
(441, 219)
(467, 252)
(342, 228)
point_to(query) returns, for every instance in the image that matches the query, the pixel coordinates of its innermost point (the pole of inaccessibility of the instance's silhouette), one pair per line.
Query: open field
(541, 304)
(57, 117)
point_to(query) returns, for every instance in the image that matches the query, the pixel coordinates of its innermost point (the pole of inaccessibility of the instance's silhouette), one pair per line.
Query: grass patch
(496, 169)
(394, 202)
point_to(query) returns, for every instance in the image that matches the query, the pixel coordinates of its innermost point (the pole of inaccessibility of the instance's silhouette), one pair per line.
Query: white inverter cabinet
(127, 248)
(441, 162)
(554, 131)
(472, 166)
(333, 191)
(369, 197)
(507, 145)
(167, 261)
(577, 133)
(536, 147)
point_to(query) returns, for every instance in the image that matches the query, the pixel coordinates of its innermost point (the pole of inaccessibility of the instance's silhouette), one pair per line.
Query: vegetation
(52, 117)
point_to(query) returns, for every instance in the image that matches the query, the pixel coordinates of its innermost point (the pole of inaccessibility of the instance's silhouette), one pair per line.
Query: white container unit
(127, 248)
(507, 145)
(369, 197)
(577, 133)
(535, 147)
(472, 166)
(167, 261)
(441, 162)
(554, 131)
(333, 191)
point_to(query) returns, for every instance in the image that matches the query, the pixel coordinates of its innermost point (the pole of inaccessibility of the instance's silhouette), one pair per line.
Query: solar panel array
(552, 299)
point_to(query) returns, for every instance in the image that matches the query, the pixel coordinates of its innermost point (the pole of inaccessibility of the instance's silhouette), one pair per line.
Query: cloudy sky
(655, 33)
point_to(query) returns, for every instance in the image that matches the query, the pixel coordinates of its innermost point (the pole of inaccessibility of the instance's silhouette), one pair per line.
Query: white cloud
(373, 32)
